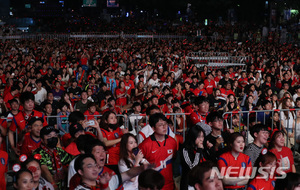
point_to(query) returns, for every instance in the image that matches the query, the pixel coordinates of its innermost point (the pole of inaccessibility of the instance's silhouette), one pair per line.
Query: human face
(29, 105)
(154, 111)
(288, 103)
(270, 167)
(268, 106)
(263, 136)
(84, 96)
(231, 99)
(238, 144)
(203, 108)
(112, 119)
(25, 182)
(210, 182)
(48, 108)
(137, 109)
(279, 141)
(217, 124)
(15, 106)
(36, 128)
(35, 168)
(50, 96)
(100, 155)
(161, 127)
(50, 135)
(199, 140)
(155, 101)
(90, 169)
(131, 143)
(92, 109)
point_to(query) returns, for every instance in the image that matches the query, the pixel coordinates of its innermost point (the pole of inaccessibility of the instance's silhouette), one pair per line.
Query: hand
(139, 157)
(105, 177)
(96, 125)
(209, 145)
(124, 131)
(219, 141)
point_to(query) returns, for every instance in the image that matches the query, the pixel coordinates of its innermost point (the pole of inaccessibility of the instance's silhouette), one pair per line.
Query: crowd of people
(61, 102)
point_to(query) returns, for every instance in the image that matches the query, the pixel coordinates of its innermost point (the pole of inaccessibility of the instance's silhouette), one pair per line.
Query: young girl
(287, 119)
(284, 154)
(39, 183)
(268, 161)
(129, 157)
(237, 159)
(121, 95)
(111, 138)
(24, 180)
(194, 151)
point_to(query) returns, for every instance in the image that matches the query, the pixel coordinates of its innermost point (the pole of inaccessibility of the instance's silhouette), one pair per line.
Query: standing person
(235, 158)
(129, 158)
(160, 149)
(20, 121)
(39, 183)
(194, 151)
(52, 157)
(283, 154)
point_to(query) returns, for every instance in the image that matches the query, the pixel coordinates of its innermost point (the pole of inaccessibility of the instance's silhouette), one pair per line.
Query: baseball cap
(34, 119)
(74, 128)
(47, 130)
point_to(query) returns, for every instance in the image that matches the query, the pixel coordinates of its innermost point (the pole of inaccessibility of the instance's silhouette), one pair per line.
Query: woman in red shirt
(121, 94)
(284, 154)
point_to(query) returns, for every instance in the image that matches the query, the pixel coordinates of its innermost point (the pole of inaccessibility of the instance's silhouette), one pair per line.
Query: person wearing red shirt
(32, 140)
(75, 130)
(209, 84)
(226, 90)
(177, 92)
(20, 121)
(2, 76)
(284, 155)
(111, 106)
(129, 84)
(239, 163)
(91, 112)
(201, 110)
(267, 181)
(10, 95)
(3, 166)
(112, 134)
(121, 94)
(160, 149)
(243, 81)
(200, 90)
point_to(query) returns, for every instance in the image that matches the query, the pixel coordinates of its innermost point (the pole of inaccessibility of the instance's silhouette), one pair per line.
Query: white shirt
(71, 170)
(128, 185)
(154, 82)
(40, 96)
(148, 131)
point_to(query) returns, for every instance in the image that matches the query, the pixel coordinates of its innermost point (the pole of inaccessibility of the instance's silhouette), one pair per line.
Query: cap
(74, 128)
(47, 130)
(176, 66)
(34, 119)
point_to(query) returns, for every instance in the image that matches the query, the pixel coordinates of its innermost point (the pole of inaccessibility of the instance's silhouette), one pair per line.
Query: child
(62, 120)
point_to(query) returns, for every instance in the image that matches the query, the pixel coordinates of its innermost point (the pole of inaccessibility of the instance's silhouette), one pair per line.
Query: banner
(89, 3)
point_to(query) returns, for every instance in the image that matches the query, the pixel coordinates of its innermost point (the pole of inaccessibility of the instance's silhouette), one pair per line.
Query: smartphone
(135, 150)
(90, 123)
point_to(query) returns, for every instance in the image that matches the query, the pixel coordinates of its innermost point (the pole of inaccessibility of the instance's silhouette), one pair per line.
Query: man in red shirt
(11, 95)
(243, 81)
(20, 121)
(201, 110)
(32, 140)
(209, 84)
(226, 90)
(129, 85)
(160, 149)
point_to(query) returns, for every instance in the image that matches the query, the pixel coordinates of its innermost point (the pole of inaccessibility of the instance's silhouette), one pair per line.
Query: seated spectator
(53, 158)
(151, 180)
(200, 177)
(23, 180)
(81, 105)
(62, 119)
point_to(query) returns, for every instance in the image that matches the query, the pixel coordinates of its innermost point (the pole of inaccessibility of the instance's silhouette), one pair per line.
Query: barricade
(266, 113)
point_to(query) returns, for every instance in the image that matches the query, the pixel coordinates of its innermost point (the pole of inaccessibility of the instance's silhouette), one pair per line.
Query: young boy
(160, 148)
(260, 134)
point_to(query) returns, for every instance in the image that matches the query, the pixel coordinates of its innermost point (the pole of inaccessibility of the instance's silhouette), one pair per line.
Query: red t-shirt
(209, 86)
(195, 117)
(129, 86)
(225, 92)
(4, 125)
(113, 151)
(72, 149)
(242, 162)
(284, 158)
(3, 168)
(121, 101)
(29, 145)
(19, 122)
(91, 116)
(6, 98)
(161, 154)
(258, 183)
(200, 92)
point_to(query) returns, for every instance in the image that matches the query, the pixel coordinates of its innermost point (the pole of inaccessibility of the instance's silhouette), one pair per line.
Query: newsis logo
(243, 173)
